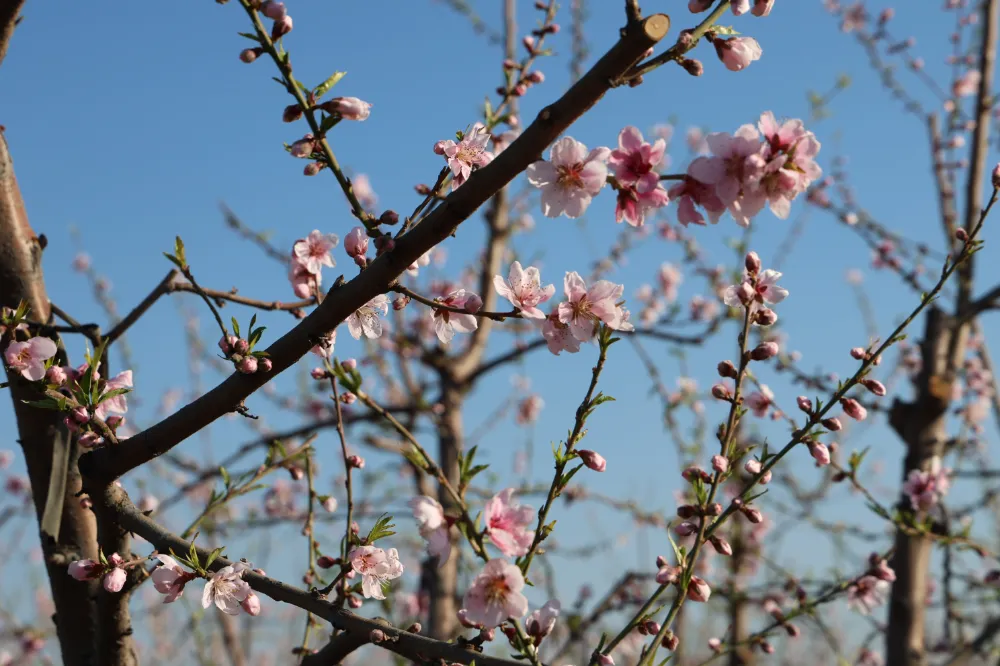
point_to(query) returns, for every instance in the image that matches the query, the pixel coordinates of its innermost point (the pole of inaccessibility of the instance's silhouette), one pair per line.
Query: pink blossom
(114, 578)
(866, 594)
(468, 153)
(698, 590)
(433, 527)
(495, 595)
(508, 524)
(169, 578)
(737, 52)
(854, 409)
(593, 460)
(115, 404)
(584, 309)
(558, 336)
(350, 108)
(85, 569)
(762, 7)
(764, 290)
(739, 7)
(313, 252)
(366, 319)
(273, 10)
(377, 567)
(670, 278)
(760, 401)
(56, 375)
(633, 204)
(731, 168)
(356, 244)
(820, 453)
(785, 169)
(854, 17)
(29, 357)
(634, 161)
(570, 178)
(251, 604)
(543, 620)
(528, 409)
(754, 467)
(691, 192)
(523, 288)
(925, 488)
(303, 282)
(967, 84)
(720, 464)
(226, 589)
(447, 322)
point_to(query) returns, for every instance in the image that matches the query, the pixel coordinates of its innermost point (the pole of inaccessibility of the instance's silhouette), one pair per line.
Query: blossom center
(570, 176)
(497, 590)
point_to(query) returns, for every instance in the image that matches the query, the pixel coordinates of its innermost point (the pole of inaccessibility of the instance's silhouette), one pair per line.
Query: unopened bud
(389, 218)
(291, 113)
(325, 562)
(727, 369)
(249, 55)
(720, 464)
(832, 424)
(312, 169)
(961, 235)
(671, 641)
(356, 461)
(764, 351)
(354, 602)
(804, 403)
(376, 636)
(752, 263)
(400, 302)
(875, 386)
(721, 392)
(854, 409)
(693, 67)
(765, 317)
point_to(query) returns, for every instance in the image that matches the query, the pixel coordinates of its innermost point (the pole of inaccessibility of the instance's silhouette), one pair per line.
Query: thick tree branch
(109, 463)
(412, 646)
(10, 11)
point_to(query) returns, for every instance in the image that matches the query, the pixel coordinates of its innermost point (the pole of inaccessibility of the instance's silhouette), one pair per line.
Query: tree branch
(111, 462)
(9, 18)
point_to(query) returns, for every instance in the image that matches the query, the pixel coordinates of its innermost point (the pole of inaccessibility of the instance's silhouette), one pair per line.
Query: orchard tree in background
(484, 591)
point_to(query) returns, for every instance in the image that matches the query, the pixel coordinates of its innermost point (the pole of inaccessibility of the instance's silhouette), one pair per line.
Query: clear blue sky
(132, 123)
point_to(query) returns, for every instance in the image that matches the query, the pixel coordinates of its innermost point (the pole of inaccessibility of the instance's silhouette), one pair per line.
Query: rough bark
(70, 529)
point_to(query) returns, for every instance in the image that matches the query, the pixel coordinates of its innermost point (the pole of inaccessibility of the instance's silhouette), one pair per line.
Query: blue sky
(131, 124)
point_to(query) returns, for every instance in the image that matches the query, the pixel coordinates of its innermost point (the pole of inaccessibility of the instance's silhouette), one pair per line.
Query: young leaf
(324, 87)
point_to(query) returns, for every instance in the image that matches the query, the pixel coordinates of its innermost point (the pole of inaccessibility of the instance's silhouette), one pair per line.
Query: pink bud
(249, 55)
(114, 421)
(859, 353)
(668, 575)
(752, 514)
(854, 409)
(686, 529)
(281, 27)
(765, 317)
(318, 373)
(605, 660)
(304, 147)
(727, 369)
(348, 398)
(661, 561)
(820, 453)
(698, 590)
(297, 473)
(265, 365)
(593, 460)
(754, 467)
(114, 580)
(832, 424)
(251, 605)
(356, 242)
(745, 293)
(671, 641)
(721, 392)
(89, 440)
(356, 461)
(248, 365)
(83, 569)
(961, 234)
(694, 473)
(226, 344)
(752, 263)
(764, 351)
(312, 169)
(291, 113)
(330, 504)
(350, 108)
(241, 346)
(762, 7)
(439, 147)
(354, 602)
(529, 43)
(400, 302)
(721, 546)
(996, 177)
(473, 303)
(875, 386)
(349, 364)
(686, 511)
(535, 77)
(720, 464)
(56, 375)
(698, 6)
(715, 645)
(273, 10)
(80, 415)
(804, 403)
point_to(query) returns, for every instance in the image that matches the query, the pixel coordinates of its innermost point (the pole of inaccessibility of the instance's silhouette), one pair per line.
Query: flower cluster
(309, 256)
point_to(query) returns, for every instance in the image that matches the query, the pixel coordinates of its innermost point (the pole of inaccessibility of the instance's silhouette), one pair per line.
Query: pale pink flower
(303, 282)
(731, 168)
(29, 357)
(543, 620)
(585, 308)
(766, 290)
(169, 578)
(690, 193)
(508, 524)
(737, 52)
(226, 589)
(523, 288)
(967, 84)
(670, 277)
(313, 252)
(356, 244)
(495, 595)
(634, 162)
(529, 409)
(365, 321)
(350, 108)
(558, 336)
(633, 204)
(866, 594)
(447, 322)
(115, 404)
(114, 579)
(570, 178)
(377, 567)
(468, 153)
(925, 488)
(760, 401)
(363, 190)
(85, 569)
(433, 526)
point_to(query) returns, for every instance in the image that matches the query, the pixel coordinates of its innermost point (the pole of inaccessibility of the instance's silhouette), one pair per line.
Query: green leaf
(174, 260)
(382, 528)
(225, 476)
(250, 36)
(112, 393)
(236, 327)
(45, 403)
(179, 250)
(212, 557)
(677, 551)
(324, 87)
